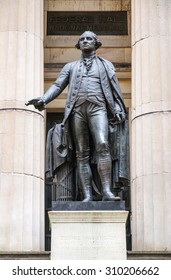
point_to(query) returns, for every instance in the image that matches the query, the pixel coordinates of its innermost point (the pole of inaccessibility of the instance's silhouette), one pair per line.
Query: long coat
(71, 76)
(59, 142)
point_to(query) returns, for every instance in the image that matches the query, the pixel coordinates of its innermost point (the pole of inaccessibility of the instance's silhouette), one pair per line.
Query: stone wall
(59, 50)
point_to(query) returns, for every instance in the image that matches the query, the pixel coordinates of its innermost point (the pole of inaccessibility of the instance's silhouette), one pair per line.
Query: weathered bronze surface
(88, 152)
(73, 23)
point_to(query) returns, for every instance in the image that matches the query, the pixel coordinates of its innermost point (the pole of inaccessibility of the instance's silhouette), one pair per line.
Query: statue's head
(91, 34)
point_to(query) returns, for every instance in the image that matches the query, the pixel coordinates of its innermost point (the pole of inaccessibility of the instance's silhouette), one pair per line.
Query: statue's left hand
(120, 117)
(38, 103)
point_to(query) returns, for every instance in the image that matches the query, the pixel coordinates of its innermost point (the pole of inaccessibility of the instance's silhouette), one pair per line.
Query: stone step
(147, 255)
(45, 255)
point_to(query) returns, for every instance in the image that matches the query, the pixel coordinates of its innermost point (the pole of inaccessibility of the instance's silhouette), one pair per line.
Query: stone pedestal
(88, 235)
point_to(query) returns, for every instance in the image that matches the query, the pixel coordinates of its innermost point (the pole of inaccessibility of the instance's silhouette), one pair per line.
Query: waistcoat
(90, 88)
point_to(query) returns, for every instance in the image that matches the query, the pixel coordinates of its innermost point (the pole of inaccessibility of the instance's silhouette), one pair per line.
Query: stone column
(21, 127)
(151, 125)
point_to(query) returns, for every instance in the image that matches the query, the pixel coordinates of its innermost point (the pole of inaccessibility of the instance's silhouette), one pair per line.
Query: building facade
(36, 39)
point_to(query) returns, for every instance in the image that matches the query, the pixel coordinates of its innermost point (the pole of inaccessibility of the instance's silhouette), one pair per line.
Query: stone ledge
(148, 255)
(83, 217)
(27, 255)
(45, 255)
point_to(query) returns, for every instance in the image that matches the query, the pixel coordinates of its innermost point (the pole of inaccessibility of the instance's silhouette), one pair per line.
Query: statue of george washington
(92, 140)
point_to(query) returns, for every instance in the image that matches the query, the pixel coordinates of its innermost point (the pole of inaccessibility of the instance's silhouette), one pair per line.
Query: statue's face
(87, 42)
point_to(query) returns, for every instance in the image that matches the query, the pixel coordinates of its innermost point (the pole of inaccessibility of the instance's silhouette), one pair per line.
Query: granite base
(88, 235)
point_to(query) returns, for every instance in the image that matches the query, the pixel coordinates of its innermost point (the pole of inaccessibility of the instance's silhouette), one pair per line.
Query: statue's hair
(97, 41)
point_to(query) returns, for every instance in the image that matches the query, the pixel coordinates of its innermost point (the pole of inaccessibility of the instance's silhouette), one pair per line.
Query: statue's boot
(108, 195)
(85, 176)
(87, 193)
(104, 169)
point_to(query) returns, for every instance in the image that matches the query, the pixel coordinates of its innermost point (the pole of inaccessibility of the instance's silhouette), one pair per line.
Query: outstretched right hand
(38, 103)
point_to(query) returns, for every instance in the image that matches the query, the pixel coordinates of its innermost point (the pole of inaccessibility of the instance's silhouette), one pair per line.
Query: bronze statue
(94, 131)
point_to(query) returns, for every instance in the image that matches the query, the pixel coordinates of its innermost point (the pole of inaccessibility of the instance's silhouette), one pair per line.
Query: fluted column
(21, 128)
(151, 125)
